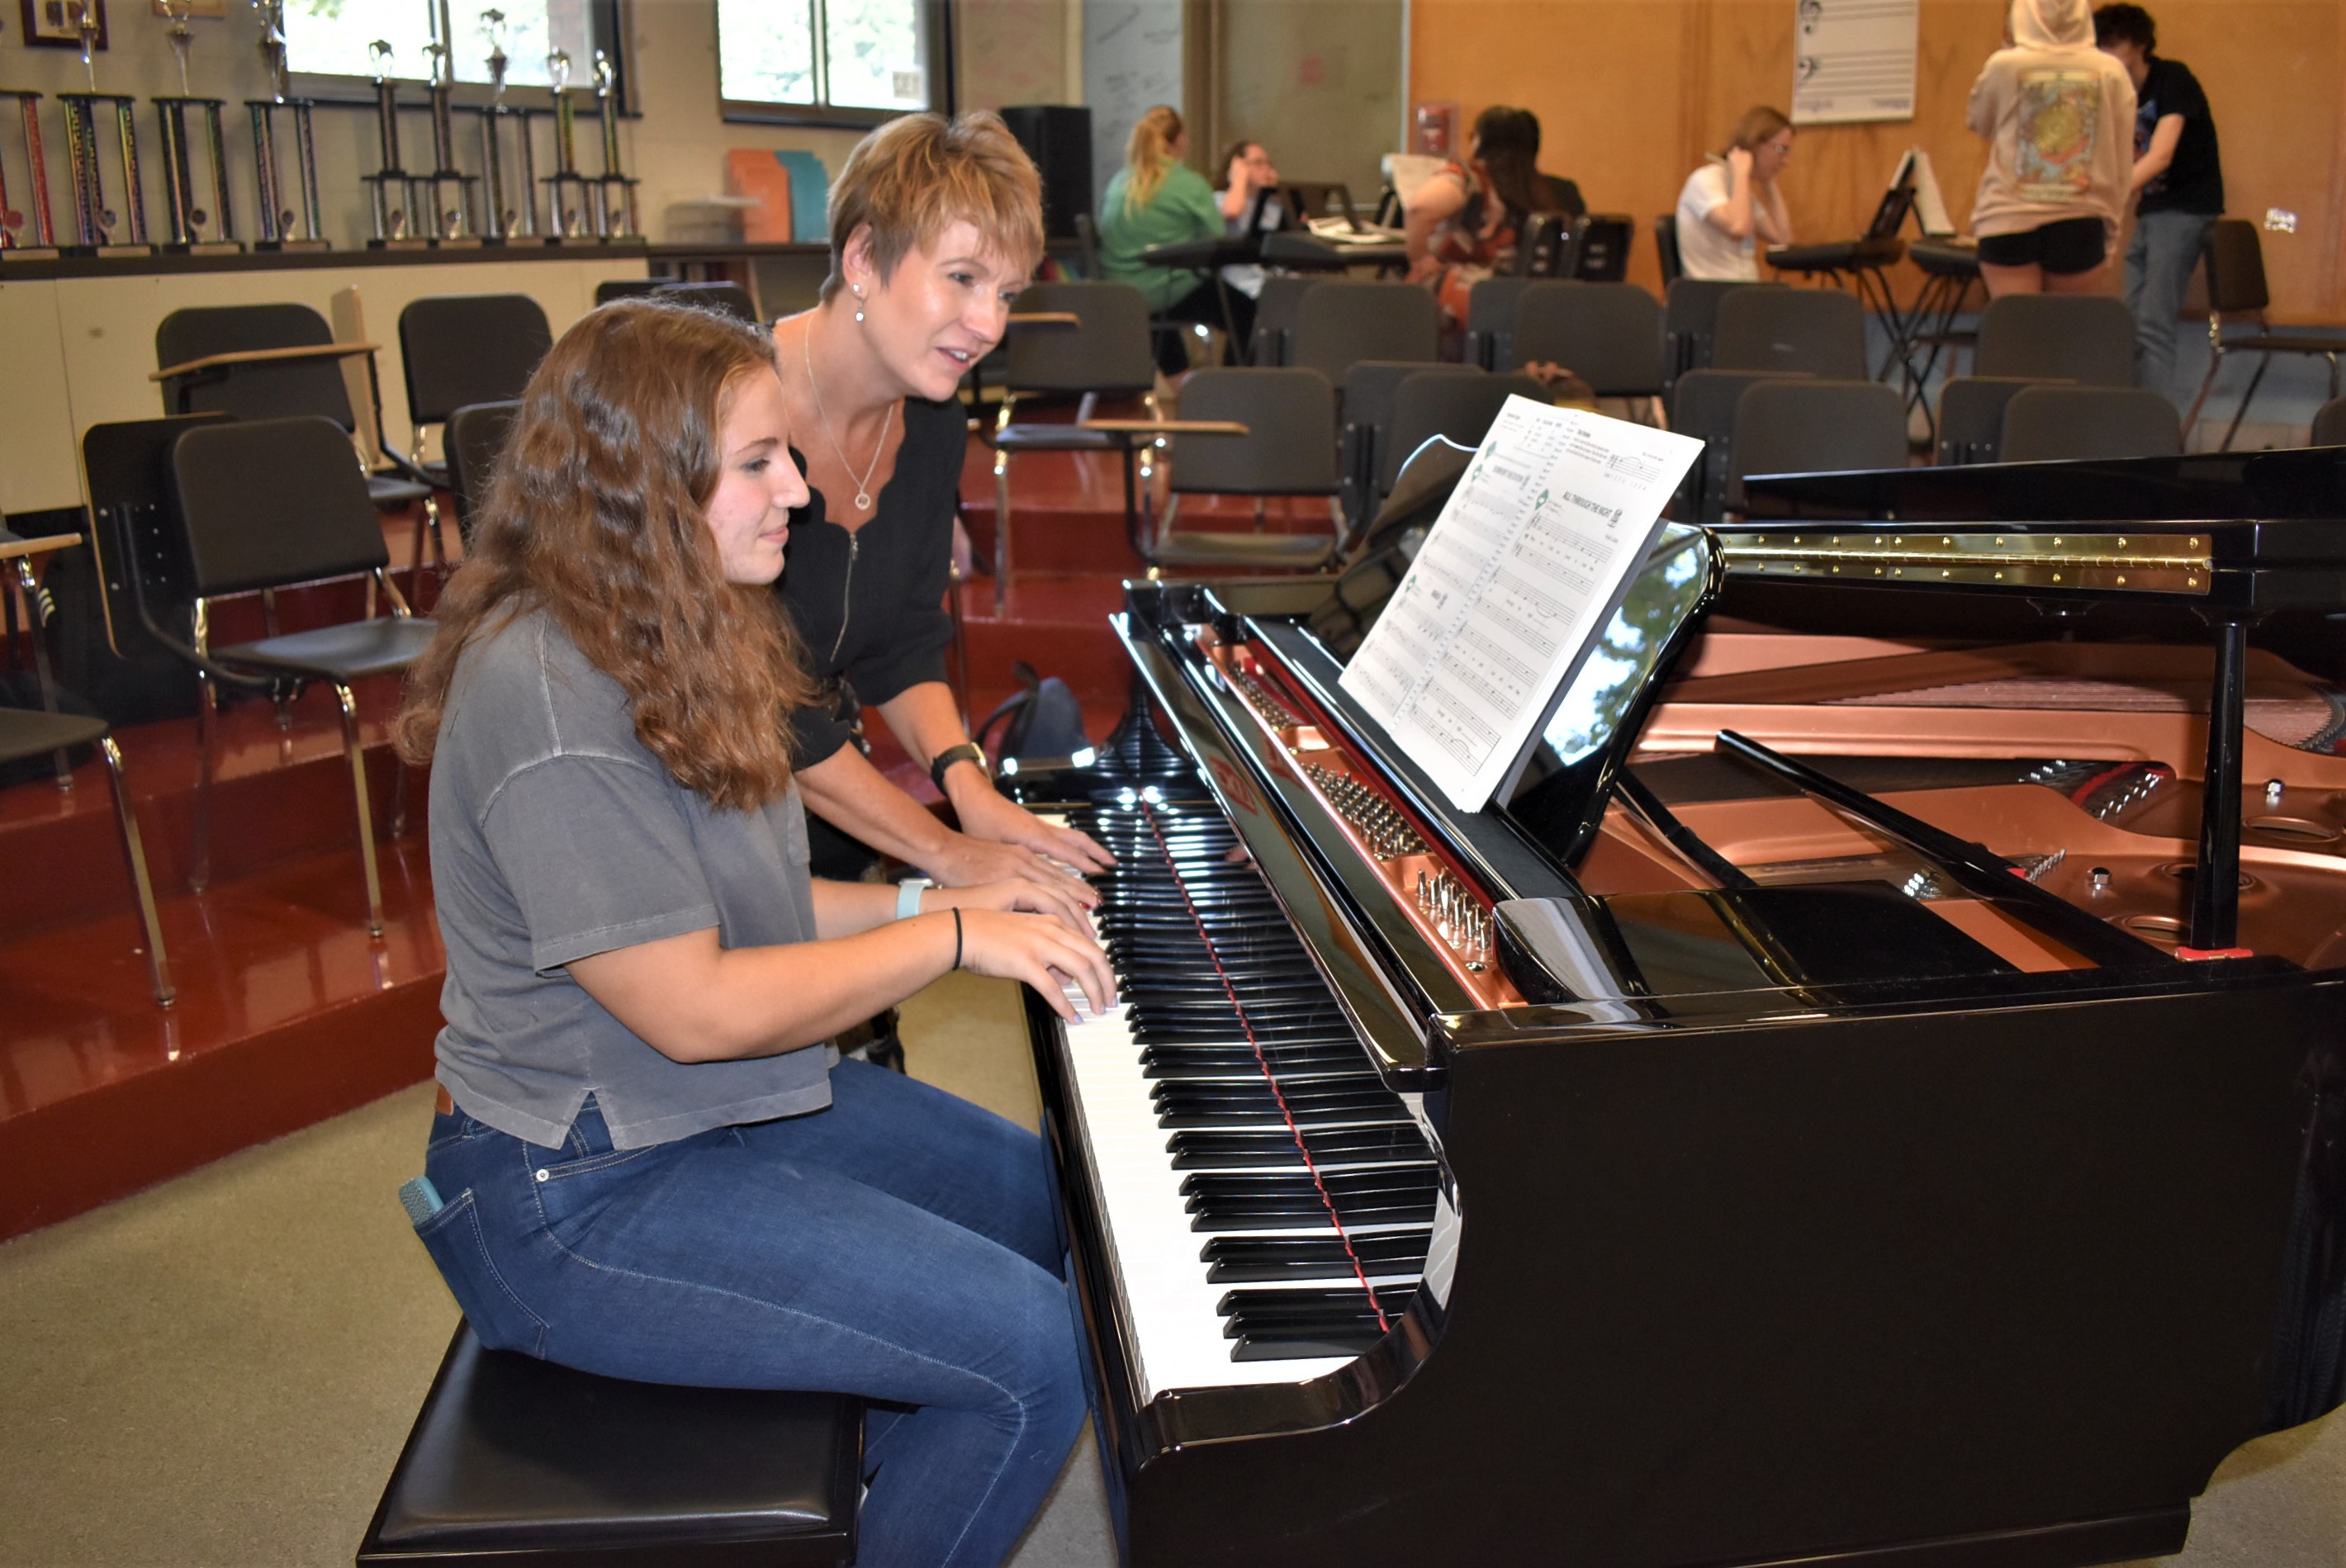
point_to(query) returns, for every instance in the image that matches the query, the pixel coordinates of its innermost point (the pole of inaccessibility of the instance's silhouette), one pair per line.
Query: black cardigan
(869, 606)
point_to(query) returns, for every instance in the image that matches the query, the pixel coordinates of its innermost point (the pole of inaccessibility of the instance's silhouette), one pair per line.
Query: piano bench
(525, 1464)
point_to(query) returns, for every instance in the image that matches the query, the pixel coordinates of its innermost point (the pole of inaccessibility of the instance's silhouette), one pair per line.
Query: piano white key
(1177, 1332)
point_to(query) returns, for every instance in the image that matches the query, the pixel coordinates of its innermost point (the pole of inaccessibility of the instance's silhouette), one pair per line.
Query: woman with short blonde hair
(647, 1162)
(935, 225)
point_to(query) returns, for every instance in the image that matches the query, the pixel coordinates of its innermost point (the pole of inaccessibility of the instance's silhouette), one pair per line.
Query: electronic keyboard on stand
(1703, 1156)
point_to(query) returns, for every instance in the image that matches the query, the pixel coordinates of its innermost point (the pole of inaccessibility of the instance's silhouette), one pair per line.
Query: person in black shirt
(2178, 176)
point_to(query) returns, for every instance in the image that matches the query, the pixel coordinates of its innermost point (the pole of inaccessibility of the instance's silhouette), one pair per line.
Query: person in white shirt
(1732, 201)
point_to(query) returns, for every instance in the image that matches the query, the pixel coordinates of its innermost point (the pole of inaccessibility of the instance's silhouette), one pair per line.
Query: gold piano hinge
(2154, 564)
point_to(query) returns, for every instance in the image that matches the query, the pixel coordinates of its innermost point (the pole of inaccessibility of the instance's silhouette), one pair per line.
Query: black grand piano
(1821, 1143)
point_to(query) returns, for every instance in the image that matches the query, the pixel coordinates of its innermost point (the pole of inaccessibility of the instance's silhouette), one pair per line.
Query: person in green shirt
(1158, 199)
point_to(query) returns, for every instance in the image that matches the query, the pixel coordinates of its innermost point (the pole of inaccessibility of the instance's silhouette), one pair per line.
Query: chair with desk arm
(1081, 341)
(1259, 432)
(275, 361)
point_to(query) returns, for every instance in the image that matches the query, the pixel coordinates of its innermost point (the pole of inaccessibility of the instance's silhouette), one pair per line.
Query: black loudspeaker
(1059, 137)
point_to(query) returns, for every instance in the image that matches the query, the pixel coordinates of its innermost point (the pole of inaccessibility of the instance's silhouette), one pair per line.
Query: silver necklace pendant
(862, 502)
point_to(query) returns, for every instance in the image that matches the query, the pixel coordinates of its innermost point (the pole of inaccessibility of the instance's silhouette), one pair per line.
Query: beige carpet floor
(220, 1371)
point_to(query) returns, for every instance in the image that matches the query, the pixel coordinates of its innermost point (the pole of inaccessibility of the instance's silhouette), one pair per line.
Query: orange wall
(1630, 93)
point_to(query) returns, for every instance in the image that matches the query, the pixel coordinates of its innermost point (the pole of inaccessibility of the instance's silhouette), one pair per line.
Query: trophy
(453, 222)
(570, 211)
(185, 219)
(503, 222)
(276, 228)
(43, 245)
(392, 188)
(616, 214)
(94, 221)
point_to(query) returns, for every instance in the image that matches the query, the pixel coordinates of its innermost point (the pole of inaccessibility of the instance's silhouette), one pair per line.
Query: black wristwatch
(967, 751)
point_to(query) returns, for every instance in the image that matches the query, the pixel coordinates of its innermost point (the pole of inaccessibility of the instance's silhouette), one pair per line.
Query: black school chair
(1282, 442)
(268, 504)
(1702, 405)
(2330, 424)
(2050, 423)
(26, 733)
(1367, 411)
(1971, 415)
(1818, 331)
(2235, 260)
(1459, 408)
(461, 348)
(1796, 425)
(1491, 322)
(1608, 334)
(475, 435)
(1689, 321)
(2087, 339)
(1343, 321)
(1666, 249)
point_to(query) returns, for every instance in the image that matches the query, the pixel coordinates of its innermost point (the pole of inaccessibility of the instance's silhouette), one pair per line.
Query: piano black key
(1264, 1331)
(1243, 1259)
(1222, 1149)
(1347, 1097)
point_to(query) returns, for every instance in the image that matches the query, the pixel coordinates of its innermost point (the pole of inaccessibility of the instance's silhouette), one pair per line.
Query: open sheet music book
(1513, 584)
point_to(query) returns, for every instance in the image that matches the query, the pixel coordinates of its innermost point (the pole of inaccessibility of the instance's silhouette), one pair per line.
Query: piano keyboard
(1268, 1201)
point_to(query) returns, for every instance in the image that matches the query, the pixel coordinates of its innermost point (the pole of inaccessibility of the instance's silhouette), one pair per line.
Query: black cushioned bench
(525, 1464)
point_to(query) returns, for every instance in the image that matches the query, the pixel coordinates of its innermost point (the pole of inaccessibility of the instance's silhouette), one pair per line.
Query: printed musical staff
(1513, 583)
(1854, 60)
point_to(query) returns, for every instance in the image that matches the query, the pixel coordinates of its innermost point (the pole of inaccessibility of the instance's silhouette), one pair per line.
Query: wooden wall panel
(1630, 93)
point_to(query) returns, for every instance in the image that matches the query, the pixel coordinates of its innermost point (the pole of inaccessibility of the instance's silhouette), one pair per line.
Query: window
(852, 62)
(329, 38)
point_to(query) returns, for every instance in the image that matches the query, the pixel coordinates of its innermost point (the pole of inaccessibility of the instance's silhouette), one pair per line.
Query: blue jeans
(2159, 262)
(899, 1246)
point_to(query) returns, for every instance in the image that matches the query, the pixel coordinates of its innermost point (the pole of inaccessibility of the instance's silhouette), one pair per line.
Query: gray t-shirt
(556, 835)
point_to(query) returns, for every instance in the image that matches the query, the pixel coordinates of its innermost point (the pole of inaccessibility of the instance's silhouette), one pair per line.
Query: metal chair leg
(2248, 397)
(1001, 527)
(125, 816)
(199, 835)
(398, 796)
(357, 754)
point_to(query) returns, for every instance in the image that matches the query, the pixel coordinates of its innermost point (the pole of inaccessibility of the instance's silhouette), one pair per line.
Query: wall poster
(1854, 60)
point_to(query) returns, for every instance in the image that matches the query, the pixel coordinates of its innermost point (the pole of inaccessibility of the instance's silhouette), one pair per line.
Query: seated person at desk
(1157, 200)
(1247, 172)
(647, 1162)
(1733, 202)
(1460, 224)
(935, 226)
(2058, 117)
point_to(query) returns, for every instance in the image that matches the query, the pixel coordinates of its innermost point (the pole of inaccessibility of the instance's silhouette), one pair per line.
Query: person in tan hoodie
(2058, 117)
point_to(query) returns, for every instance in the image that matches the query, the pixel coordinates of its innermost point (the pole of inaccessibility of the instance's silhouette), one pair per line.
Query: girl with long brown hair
(647, 1162)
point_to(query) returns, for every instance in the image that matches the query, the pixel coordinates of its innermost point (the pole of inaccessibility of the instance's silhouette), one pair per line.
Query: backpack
(1044, 720)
